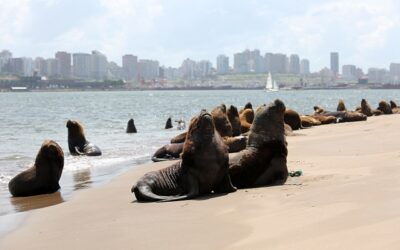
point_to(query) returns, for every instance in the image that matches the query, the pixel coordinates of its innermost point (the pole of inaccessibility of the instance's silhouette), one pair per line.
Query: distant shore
(348, 193)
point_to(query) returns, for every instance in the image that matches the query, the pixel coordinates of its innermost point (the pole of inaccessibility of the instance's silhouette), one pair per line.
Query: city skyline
(363, 32)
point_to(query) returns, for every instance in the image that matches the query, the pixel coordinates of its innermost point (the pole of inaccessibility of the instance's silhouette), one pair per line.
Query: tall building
(304, 67)
(5, 56)
(335, 62)
(349, 72)
(294, 64)
(81, 65)
(248, 62)
(279, 63)
(203, 68)
(148, 69)
(52, 67)
(64, 64)
(377, 75)
(222, 65)
(99, 66)
(130, 67)
(268, 62)
(240, 62)
(39, 66)
(188, 69)
(395, 73)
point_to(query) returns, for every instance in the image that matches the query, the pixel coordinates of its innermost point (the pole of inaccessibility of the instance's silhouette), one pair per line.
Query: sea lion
(323, 119)
(247, 106)
(168, 124)
(221, 121)
(43, 176)
(395, 108)
(341, 106)
(235, 144)
(367, 110)
(246, 119)
(309, 121)
(318, 109)
(345, 116)
(292, 118)
(203, 168)
(263, 162)
(233, 116)
(385, 108)
(168, 152)
(131, 128)
(77, 143)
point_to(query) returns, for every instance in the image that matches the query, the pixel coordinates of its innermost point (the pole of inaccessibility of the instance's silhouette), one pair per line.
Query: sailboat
(271, 84)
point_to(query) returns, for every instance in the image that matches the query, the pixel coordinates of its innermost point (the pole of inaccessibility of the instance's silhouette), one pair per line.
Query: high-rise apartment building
(52, 67)
(294, 64)
(304, 67)
(64, 64)
(279, 63)
(203, 68)
(395, 73)
(148, 69)
(81, 65)
(5, 56)
(349, 72)
(335, 62)
(377, 75)
(99, 66)
(130, 67)
(222, 65)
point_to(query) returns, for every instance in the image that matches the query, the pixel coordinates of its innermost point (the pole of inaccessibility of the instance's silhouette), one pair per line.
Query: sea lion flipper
(78, 151)
(225, 186)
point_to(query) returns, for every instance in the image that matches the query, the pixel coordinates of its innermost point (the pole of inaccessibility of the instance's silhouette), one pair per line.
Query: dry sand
(348, 198)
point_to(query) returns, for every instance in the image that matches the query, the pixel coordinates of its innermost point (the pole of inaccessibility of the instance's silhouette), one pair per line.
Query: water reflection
(82, 179)
(22, 204)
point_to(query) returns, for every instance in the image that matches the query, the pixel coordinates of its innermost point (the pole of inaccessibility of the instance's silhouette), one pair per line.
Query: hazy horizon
(365, 33)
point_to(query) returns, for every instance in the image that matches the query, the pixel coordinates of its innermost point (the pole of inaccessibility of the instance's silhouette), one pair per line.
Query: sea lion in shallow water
(168, 124)
(77, 143)
(292, 118)
(385, 108)
(203, 168)
(263, 162)
(130, 127)
(43, 176)
(233, 116)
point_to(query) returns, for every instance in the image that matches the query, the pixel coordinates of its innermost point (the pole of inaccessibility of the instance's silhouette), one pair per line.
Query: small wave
(15, 157)
(5, 179)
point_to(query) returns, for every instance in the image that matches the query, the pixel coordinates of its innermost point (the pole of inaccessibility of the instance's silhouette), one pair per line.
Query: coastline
(348, 194)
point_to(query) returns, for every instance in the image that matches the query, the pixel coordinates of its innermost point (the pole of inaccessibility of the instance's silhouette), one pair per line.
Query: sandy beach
(346, 199)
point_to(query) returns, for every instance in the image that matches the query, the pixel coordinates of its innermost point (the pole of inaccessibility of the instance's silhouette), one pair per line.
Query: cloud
(14, 17)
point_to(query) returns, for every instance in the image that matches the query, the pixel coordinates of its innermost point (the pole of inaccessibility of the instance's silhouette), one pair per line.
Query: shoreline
(348, 193)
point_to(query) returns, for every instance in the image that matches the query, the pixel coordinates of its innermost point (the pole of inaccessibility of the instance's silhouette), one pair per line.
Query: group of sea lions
(205, 165)
(222, 150)
(44, 176)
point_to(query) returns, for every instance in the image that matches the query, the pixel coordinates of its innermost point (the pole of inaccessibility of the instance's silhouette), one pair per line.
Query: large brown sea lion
(309, 121)
(203, 168)
(247, 106)
(367, 110)
(263, 162)
(130, 127)
(233, 116)
(292, 118)
(77, 143)
(341, 106)
(325, 119)
(43, 176)
(168, 124)
(385, 108)
(246, 119)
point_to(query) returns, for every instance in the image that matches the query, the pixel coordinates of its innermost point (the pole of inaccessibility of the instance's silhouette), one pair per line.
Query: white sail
(271, 85)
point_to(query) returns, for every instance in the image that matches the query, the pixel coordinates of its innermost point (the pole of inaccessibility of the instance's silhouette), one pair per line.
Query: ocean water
(27, 119)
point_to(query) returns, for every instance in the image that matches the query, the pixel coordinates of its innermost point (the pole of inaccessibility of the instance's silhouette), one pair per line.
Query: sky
(365, 33)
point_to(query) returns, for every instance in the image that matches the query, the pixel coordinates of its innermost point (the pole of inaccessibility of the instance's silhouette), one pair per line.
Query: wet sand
(346, 199)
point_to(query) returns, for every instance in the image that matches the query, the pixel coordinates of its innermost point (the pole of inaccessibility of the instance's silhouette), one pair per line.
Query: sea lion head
(385, 107)
(233, 116)
(318, 109)
(268, 124)
(393, 104)
(50, 153)
(248, 106)
(201, 127)
(341, 106)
